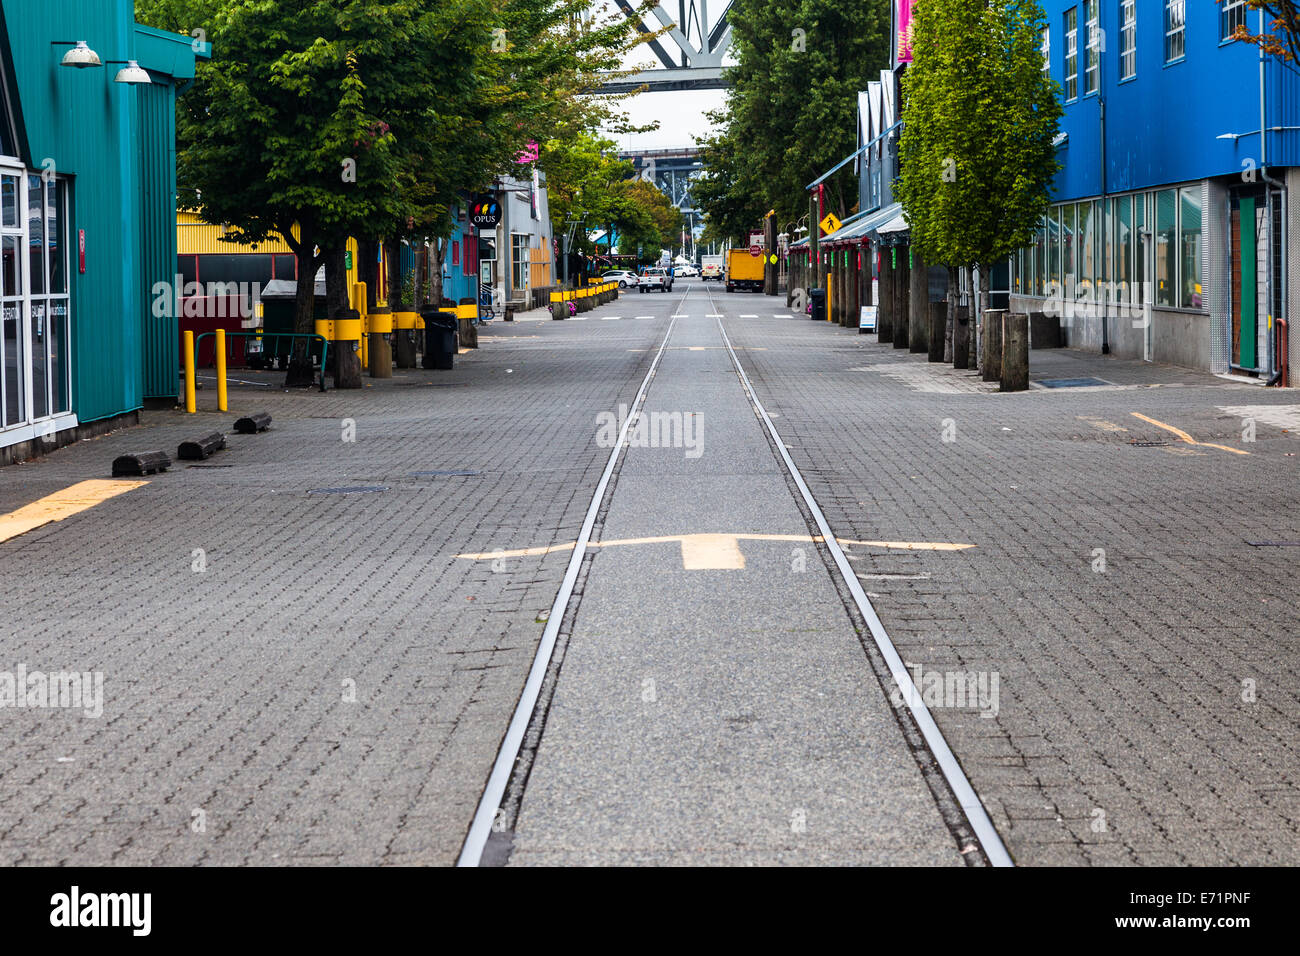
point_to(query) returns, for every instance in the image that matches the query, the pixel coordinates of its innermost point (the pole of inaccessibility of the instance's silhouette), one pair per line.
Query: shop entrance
(35, 365)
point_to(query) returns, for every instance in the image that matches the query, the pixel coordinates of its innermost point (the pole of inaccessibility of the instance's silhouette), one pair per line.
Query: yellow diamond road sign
(830, 223)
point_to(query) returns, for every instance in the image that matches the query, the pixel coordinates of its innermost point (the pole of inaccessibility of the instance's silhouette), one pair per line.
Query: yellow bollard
(190, 405)
(222, 404)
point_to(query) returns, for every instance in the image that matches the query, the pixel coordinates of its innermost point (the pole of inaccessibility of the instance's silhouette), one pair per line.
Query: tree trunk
(304, 319)
(436, 252)
(347, 358)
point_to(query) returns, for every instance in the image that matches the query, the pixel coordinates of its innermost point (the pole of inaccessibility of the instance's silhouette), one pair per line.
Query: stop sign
(755, 251)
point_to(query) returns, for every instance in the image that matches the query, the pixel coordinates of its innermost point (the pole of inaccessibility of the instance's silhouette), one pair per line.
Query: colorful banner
(903, 31)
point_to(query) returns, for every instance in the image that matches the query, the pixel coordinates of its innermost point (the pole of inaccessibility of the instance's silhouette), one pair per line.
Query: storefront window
(518, 261)
(1054, 247)
(1189, 245)
(1139, 250)
(1040, 259)
(1166, 246)
(1068, 244)
(1087, 245)
(1123, 245)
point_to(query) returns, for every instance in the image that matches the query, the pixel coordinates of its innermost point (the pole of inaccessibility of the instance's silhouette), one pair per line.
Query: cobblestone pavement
(299, 669)
(1146, 650)
(227, 691)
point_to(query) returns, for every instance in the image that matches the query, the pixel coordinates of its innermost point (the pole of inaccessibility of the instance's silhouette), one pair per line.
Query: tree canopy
(791, 111)
(979, 118)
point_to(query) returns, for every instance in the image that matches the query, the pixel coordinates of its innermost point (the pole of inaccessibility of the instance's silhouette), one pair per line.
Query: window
(518, 261)
(1123, 245)
(1068, 243)
(1047, 51)
(1174, 21)
(1166, 246)
(1189, 246)
(1140, 292)
(1092, 48)
(1040, 258)
(1053, 249)
(1232, 14)
(1127, 39)
(1085, 257)
(1070, 88)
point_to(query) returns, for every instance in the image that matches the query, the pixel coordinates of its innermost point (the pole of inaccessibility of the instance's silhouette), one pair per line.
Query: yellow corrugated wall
(194, 237)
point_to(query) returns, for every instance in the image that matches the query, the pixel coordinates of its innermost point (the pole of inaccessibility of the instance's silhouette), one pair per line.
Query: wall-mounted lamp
(80, 56)
(131, 73)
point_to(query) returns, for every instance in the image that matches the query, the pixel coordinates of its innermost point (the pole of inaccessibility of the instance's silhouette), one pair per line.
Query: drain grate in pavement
(360, 490)
(1147, 444)
(1274, 544)
(446, 474)
(1072, 382)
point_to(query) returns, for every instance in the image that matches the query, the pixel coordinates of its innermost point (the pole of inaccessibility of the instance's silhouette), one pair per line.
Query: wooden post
(961, 338)
(938, 327)
(918, 328)
(992, 335)
(1015, 352)
(885, 315)
(902, 296)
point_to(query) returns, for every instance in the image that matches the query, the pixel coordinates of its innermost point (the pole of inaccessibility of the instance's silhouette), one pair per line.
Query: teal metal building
(87, 217)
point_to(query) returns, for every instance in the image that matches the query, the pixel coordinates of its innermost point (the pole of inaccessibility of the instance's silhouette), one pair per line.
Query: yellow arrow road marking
(1186, 437)
(62, 504)
(701, 544)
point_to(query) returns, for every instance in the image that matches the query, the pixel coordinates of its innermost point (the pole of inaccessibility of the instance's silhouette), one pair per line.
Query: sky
(680, 116)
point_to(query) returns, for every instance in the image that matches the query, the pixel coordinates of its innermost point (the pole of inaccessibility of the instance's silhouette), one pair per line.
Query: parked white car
(624, 278)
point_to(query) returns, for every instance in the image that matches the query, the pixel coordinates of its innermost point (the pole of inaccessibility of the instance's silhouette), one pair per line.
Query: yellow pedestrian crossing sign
(830, 223)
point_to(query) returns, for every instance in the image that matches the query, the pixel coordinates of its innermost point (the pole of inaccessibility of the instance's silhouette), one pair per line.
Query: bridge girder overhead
(690, 52)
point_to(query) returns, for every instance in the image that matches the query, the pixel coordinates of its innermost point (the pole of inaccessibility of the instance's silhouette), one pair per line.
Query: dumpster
(817, 304)
(439, 338)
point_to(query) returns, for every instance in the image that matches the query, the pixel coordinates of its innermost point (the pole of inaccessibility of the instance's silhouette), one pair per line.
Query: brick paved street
(298, 675)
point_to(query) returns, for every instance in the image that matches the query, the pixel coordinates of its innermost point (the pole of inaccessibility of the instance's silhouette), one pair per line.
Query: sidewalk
(1148, 675)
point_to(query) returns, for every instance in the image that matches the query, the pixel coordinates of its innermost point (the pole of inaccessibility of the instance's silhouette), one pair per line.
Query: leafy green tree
(979, 118)
(322, 119)
(791, 111)
(590, 188)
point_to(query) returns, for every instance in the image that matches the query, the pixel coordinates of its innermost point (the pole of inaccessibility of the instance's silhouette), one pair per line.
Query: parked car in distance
(624, 278)
(686, 272)
(656, 279)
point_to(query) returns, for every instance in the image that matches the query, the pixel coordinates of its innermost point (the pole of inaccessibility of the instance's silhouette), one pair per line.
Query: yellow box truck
(744, 270)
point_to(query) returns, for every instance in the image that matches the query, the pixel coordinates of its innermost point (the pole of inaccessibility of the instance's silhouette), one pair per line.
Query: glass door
(13, 291)
(35, 365)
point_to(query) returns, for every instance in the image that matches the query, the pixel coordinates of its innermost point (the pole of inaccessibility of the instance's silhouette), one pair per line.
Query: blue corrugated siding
(1162, 125)
(112, 140)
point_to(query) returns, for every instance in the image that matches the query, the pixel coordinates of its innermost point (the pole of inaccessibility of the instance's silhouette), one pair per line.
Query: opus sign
(485, 212)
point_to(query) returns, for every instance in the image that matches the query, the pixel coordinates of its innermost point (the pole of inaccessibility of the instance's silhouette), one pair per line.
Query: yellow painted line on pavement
(1186, 437)
(62, 504)
(719, 547)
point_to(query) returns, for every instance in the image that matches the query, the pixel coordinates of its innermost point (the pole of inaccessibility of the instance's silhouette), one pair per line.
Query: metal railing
(220, 335)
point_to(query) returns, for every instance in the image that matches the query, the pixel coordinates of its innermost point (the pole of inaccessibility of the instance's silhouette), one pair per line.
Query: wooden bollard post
(992, 329)
(902, 297)
(918, 327)
(961, 337)
(1015, 352)
(938, 328)
(885, 307)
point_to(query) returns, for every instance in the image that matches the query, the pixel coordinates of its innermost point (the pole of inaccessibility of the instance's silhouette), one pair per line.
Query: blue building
(1179, 146)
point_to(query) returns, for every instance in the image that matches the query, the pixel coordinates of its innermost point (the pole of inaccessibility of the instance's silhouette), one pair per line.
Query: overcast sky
(680, 115)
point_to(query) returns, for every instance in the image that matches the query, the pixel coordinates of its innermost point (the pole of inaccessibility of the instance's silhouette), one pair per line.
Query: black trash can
(817, 298)
(439, 339)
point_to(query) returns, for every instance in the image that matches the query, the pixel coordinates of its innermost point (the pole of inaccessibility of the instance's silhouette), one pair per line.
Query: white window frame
(1070, 87)
(1092, 47)
(1229, 11)
(30, 426)
(1127, 39)
(1175, 33)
